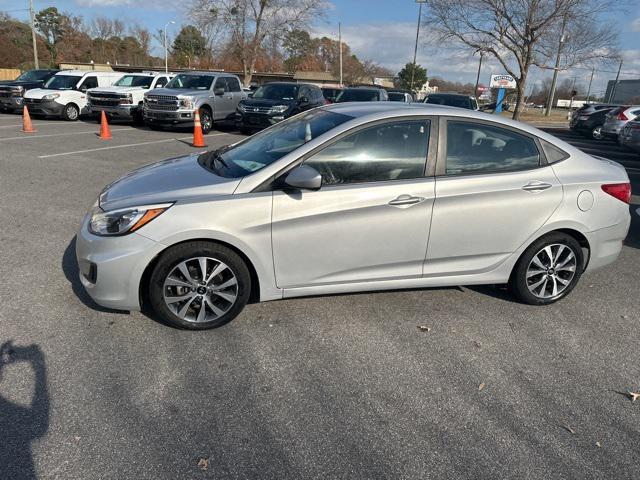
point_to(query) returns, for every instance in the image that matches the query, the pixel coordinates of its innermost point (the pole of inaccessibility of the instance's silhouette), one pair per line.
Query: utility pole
(593, 70)
(552, 92)
(615, 84)
(33, 35)
(166, 49)
(415, 48)
(475, 91)
(340, 48)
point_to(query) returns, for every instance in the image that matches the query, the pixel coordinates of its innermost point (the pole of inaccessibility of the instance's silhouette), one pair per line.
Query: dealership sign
(502, 81)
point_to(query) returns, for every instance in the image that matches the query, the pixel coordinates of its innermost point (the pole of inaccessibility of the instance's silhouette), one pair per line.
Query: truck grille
(257, 109)
(4, 94)
(163, 98)
(161, 102)
(105, 99)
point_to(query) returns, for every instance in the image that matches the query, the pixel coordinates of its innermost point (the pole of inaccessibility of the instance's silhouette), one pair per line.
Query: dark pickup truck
(12, 91)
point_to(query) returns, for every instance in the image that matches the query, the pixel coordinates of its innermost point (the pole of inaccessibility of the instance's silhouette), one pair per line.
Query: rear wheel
(548, 270)
(596, 133)
(70, 113)
(199, 285)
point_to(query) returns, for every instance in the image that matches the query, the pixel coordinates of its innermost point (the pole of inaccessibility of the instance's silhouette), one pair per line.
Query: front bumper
(110, 268)
(11, 103)
(164, 117)
(44, 107)
(120, 111)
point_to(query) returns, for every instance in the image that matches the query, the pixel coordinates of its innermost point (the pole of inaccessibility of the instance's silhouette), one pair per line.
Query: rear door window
(475, 148)
(89, 82)
(234, 84)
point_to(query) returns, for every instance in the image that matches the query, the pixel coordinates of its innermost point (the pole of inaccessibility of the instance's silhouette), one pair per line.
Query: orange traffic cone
(105, 133)
(27, 126)
(198, 139)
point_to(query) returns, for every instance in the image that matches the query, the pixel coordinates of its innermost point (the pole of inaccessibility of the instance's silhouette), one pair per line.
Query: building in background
(626, 91)
(426, 89)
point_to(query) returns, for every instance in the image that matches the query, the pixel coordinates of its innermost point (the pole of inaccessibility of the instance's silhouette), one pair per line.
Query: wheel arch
(143, 293)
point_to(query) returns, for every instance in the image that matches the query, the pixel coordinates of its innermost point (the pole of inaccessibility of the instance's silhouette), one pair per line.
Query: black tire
(520, 286)
(138, 119)
(206, 120)
(596, 133)
(172, 257)
(71, 112)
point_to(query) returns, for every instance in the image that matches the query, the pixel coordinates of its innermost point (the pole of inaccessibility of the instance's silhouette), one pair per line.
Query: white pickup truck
(124, 99)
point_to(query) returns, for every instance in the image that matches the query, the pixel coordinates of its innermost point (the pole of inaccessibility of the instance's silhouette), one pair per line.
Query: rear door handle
(536, 186)
(406, 200)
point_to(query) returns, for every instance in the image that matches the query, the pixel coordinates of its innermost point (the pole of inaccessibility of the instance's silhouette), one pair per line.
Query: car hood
(263, 102)
(172, 180)
(178, 92)
(41, 92)
(116, 89)
(14, 83)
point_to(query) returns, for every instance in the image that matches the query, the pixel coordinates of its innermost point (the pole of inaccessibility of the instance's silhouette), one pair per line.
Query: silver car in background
(354, 197)
(630, 135)
(617, 118)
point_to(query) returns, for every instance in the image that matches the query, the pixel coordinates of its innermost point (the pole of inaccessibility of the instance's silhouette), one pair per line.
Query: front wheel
(206, 120)
(70, 113)
(548, 270)
(199, 285)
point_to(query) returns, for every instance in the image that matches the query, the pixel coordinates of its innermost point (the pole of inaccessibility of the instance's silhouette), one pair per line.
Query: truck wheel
(206, 120)
(70, 112)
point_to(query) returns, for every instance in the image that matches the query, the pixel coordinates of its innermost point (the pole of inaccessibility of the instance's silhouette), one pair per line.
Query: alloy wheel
(551, 271)
(72, 112)
(597, 133)
(200, 289)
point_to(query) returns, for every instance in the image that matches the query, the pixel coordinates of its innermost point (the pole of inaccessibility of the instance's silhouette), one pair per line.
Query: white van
(64, 95)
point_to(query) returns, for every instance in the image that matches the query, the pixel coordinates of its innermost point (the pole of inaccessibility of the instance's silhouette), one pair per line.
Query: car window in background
(449, 100)
(478, 148)
(268, 146)
(276, 92)
(162, 81)
(62, 82)
(396, 97)
(89, 82)
(191, 82)
(221, 82)
(134, 81)
(234, 84)
(33, 76)
(392, 151)
(358, 95)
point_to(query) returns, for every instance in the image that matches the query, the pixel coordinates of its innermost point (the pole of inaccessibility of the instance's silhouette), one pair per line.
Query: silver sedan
(354, 197)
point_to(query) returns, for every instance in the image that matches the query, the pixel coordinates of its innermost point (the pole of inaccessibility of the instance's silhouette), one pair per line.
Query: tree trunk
(520, 86)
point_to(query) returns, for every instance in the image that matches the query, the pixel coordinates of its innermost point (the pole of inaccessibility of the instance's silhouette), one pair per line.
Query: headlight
(186, 103)
(123, 221)
(279, 109)
(128, 100)
(241, 108)
(18, 91)
(51, 96)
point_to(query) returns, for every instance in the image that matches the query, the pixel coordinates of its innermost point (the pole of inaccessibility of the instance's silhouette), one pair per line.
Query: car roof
(208, 74)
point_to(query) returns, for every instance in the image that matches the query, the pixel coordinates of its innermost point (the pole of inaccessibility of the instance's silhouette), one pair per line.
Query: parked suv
(453, 100)
(400, 96)
(125, 98)
(362, 94)
(65, 94)
(12, 91)
(590, 123)
(618, 118)
(214, 94)
(331, 93)
(273, 102)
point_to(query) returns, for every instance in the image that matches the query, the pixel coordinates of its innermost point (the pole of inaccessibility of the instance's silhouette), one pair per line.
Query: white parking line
(123, 146)
(32, 136)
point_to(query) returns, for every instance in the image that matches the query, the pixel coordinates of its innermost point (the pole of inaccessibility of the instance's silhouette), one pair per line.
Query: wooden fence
(9, 73)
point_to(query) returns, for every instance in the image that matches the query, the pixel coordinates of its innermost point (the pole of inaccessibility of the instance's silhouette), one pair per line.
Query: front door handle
(536, 186)
(406, 200)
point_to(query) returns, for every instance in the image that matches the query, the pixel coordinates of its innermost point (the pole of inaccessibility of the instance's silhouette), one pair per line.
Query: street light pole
(415, 48)
(33, 35)
(615, 84)
(340, 48)
(593, 70)
(166, 49)
(475, 91)
(552, 92)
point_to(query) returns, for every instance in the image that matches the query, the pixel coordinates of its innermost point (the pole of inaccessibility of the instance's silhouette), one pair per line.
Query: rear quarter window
(552, 153)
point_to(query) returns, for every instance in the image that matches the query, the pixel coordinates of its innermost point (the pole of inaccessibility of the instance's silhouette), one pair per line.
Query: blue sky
(381, 30)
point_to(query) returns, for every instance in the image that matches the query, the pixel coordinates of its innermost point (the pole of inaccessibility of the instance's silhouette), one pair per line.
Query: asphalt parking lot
(338, 387)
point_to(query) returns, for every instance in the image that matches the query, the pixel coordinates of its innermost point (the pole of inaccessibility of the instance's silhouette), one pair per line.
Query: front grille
(165, 103)
(105, 95)
(165, 98)
(164, 108)
(101, 102)
(32, 101)
(4, 94)
(257, 109)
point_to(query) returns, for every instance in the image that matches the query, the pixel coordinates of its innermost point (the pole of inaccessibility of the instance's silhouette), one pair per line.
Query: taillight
(621, 191)
(621, 115)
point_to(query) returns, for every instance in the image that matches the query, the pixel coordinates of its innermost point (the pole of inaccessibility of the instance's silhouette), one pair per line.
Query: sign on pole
(502, 81)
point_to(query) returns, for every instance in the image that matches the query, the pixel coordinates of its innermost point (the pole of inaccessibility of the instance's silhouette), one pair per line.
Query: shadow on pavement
(21, 425)
(72, 274)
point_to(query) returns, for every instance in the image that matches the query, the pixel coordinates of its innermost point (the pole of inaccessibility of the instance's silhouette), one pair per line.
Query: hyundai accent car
(354, 197)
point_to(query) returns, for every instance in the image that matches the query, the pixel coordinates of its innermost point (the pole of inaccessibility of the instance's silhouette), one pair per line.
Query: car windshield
(191, 82)
(449, 100)
(270, 145)
(62, 82)
(276, 92)
(358, 95)
(396, 97)
(33, 76)
(143, 81)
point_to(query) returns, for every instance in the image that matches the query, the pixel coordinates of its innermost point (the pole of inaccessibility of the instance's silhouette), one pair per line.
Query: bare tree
(143, 36)
(249, 23)
(522, 33)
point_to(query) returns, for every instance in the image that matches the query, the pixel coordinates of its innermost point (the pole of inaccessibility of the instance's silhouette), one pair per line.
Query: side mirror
(83, 89)
(304, 177)
(303, 100)
(218, 91)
